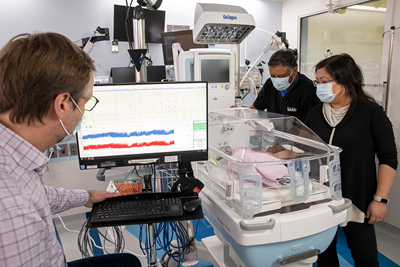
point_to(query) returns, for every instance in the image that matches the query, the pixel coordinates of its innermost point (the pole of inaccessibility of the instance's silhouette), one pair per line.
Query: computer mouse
(191, 205)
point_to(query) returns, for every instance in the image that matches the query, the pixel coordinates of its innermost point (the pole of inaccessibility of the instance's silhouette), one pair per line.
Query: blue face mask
(281, 84)
(325, 93)
(77, 128)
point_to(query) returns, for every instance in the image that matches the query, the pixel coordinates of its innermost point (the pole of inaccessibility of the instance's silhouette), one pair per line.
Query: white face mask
(325, 93)
(281, 84)
(77, 128)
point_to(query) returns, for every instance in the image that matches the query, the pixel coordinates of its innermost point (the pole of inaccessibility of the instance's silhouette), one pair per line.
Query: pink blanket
(268, 173)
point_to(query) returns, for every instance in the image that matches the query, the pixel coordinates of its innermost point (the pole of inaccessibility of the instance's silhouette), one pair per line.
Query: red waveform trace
(118, 146)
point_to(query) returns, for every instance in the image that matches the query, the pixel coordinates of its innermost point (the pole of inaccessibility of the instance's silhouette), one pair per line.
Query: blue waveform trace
(132, 134)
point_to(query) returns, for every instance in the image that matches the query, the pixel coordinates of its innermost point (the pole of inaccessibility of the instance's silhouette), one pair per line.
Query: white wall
(293, 10)
(79, 18)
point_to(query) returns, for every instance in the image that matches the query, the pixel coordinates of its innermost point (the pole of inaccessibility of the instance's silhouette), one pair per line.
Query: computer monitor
(144, 123)
(128, 74)
(184, 38)
(154, 24)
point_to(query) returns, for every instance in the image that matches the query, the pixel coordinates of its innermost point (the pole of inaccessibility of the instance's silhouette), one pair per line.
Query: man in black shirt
(287, 91)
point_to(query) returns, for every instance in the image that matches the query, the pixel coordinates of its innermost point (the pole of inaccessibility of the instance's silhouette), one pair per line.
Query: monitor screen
(128, 74)
(184, 38)
(154, 24)
(215, 70)
(144, 123)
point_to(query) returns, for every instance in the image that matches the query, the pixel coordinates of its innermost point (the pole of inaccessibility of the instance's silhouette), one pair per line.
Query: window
(355, 30)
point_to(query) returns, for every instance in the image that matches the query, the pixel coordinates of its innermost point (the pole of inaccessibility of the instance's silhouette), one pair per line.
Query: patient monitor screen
(215, 70)
(144, 123)
(184, 38)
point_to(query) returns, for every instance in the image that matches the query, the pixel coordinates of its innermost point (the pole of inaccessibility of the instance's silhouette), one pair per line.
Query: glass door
(355, 30)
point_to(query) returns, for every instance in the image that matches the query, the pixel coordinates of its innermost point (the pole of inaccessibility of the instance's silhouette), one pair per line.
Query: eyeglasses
(315, 82)
(92, 102)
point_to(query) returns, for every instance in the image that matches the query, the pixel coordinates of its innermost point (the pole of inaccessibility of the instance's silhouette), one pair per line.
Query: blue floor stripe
(204, 229)
(343, 262)
(385, 261)
(342, 248)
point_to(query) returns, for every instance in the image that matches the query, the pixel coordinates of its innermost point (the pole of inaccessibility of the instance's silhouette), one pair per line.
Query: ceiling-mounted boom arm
(150, 4)
(88, 43)
(273, 44)
(282, 35)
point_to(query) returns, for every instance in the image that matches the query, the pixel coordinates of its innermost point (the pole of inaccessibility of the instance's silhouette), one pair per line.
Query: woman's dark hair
(346, 72)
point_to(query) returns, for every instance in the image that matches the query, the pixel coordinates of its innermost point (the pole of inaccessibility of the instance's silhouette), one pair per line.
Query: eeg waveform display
(116, 134)
(100, 140)
(145, 119)
(127, 135)
(120, 146)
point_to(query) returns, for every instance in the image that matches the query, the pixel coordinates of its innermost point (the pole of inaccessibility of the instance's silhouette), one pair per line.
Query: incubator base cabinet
(272, 190)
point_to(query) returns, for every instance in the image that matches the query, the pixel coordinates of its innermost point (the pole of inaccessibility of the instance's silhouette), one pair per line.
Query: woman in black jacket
(351, 119)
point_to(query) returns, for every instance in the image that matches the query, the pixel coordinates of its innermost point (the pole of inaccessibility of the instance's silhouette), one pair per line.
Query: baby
(269, 173)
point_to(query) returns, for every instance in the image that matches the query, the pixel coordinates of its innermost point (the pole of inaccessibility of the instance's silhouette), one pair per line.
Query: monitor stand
(122, 173)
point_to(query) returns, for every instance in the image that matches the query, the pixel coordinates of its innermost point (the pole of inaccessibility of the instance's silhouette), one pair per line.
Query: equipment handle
(259, 226)
(345, 206)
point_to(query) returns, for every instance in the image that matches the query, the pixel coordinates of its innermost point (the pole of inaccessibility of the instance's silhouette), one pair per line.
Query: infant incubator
(272, 190)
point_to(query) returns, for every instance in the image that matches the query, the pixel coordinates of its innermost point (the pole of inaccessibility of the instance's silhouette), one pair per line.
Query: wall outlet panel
(63, 152)
(114, 46)
(73, 149)
(54, 154)
(256, 77)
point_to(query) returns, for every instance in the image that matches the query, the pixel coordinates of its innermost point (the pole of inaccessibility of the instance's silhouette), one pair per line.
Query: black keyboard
(136, 209)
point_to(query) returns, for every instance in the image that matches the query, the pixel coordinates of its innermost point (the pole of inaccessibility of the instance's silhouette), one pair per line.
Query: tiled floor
(388, 242)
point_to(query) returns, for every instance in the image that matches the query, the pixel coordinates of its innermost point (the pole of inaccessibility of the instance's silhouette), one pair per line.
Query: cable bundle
(166, 233)
(86, 246)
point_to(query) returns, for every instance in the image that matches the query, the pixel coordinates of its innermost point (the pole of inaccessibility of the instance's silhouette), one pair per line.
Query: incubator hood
(260, 162)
